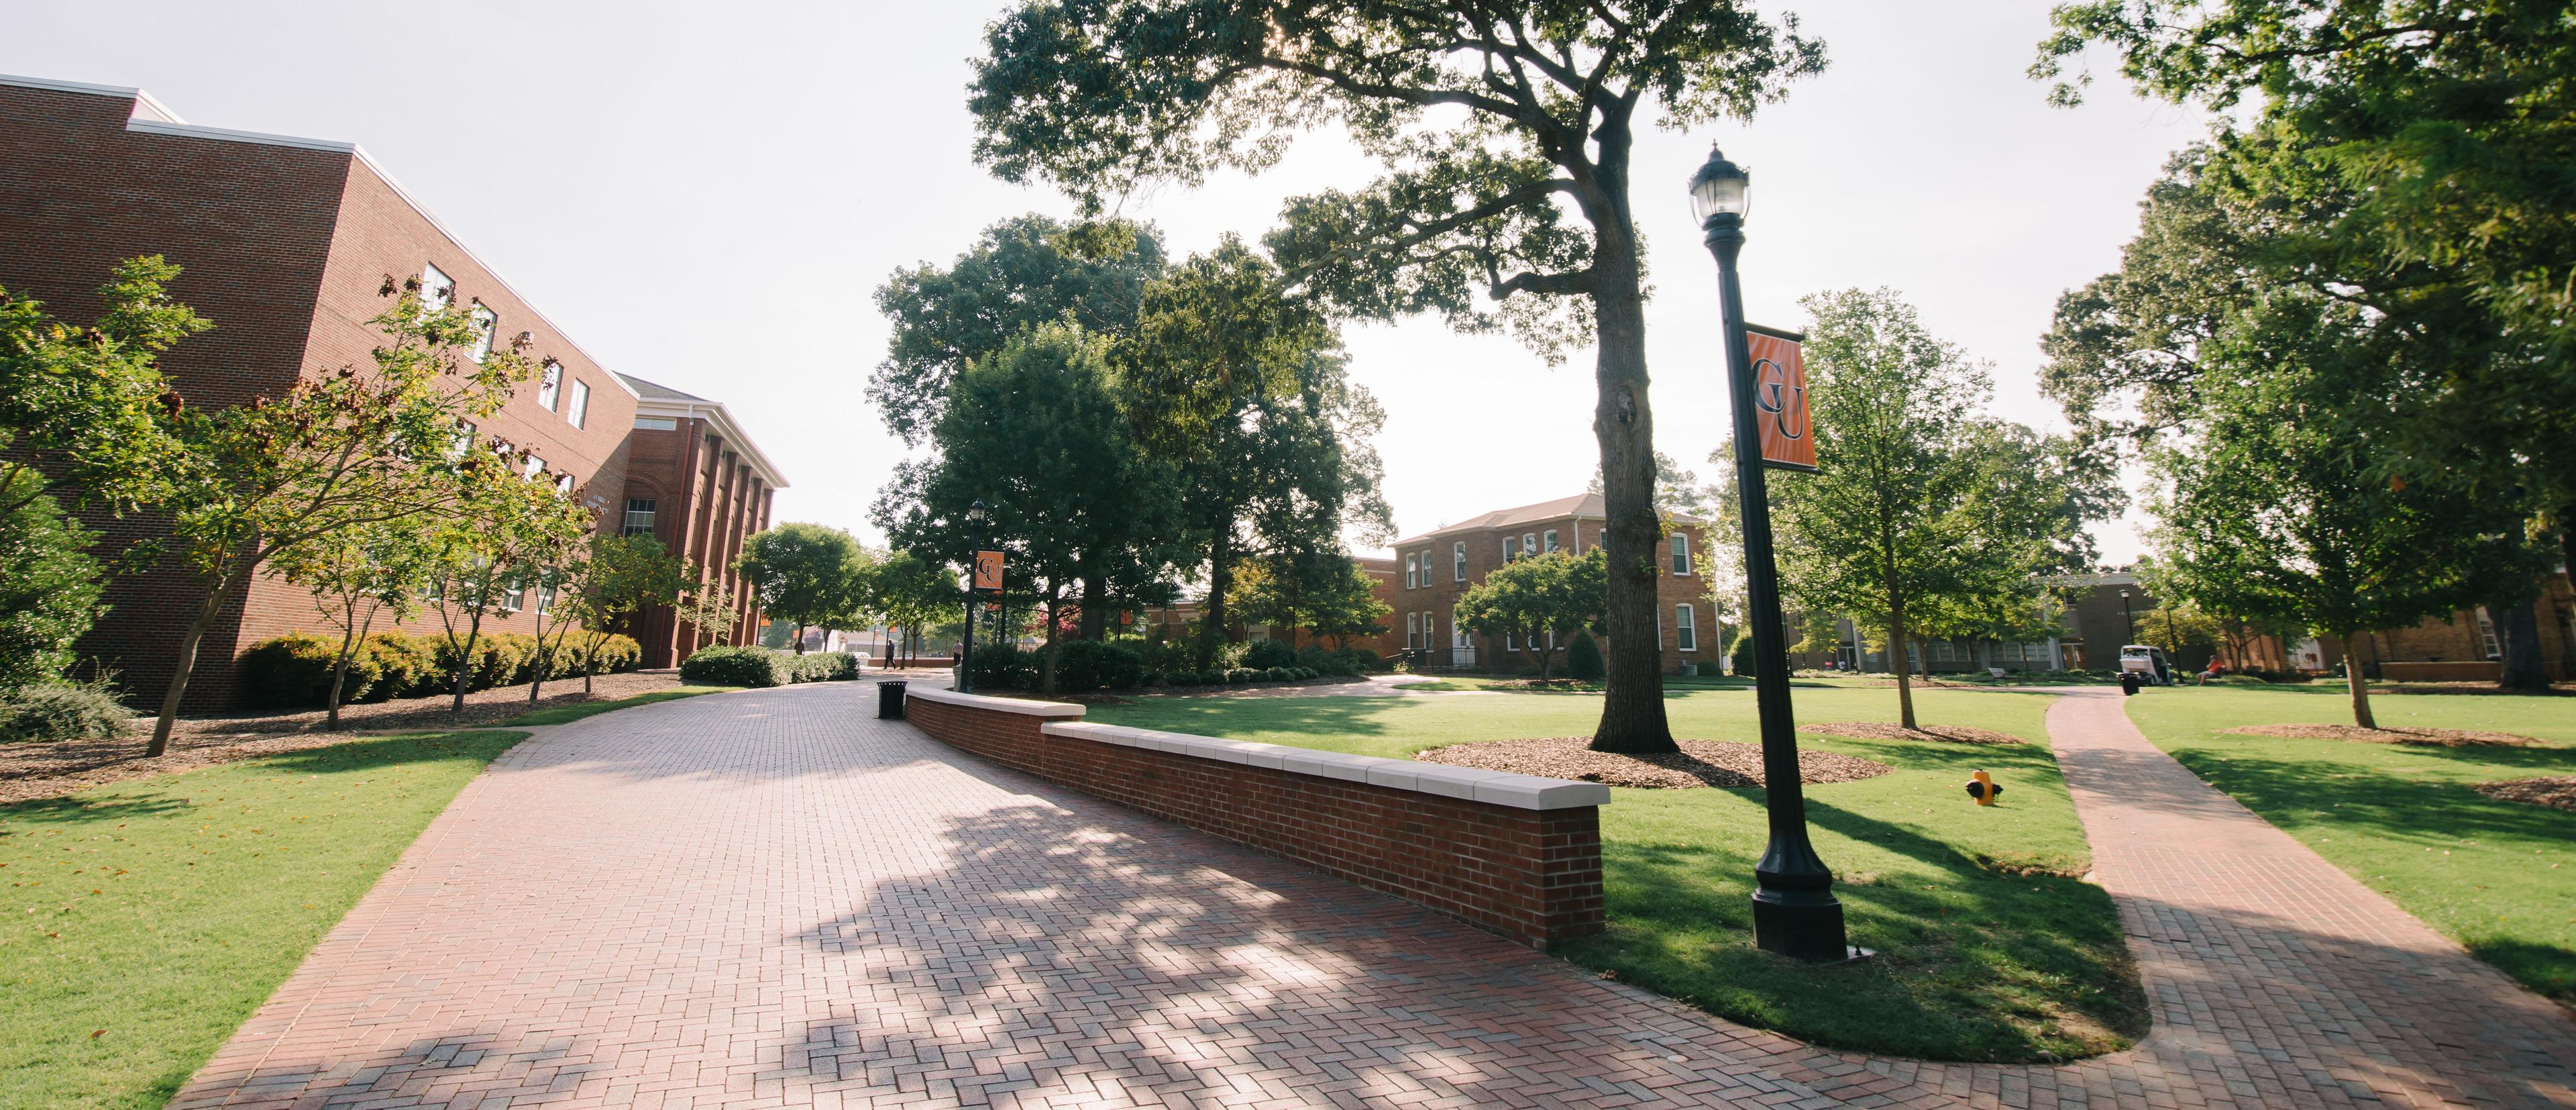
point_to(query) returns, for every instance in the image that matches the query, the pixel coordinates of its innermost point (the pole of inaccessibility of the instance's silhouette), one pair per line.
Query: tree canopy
(1532, 602)
(1504, 133)
(807, 575)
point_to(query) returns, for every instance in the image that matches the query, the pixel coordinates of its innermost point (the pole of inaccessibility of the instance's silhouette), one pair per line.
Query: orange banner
(1780, 398)
(988, 570)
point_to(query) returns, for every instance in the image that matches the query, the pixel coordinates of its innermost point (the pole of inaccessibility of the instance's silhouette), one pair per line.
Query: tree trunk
(2359, 686)
(2518, 635)
(1095, 607)
(1220, 579)
(800, 638)
(186, 664)
(1632, 700)
(1896, 663)
(1923, 653)
(1046, 659)
(465, 661)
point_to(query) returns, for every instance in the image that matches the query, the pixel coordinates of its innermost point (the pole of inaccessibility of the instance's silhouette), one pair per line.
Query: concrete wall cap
(1467, 783)
(1020, 706)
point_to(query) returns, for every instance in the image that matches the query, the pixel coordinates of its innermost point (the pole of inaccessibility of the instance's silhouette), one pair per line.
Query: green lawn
(144, 920)
(1988, 949)
(2499, 877)
(567, 714)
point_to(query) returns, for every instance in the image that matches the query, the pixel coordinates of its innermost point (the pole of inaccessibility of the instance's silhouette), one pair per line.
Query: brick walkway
(768, 899)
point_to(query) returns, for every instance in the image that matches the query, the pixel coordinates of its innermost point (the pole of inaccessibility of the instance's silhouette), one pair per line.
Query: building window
(1511, 549)
(1412, 631)
(436, 288)
(464, 439)
(1412, 572)
(536, 466)
(579, 413)
(1681, 553)
(1510, 644)
(1942, 652)
(656, 424)
(2487, 635)
(1550, 540)
(545, 599)
(1529, 544)
(550, 384)
(485, 323)
(510, 600)
(1458, 561)
(1685, 633)
(563, 482)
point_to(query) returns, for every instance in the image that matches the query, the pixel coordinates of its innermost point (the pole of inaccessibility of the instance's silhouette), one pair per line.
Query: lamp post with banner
(975, 579)
(1795, 912)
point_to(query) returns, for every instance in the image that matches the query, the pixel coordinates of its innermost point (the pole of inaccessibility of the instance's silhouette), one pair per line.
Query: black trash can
(2128, 687)
(889, 701)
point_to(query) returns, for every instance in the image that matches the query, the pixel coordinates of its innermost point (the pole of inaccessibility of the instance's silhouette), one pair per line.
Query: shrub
(1262, 655)
(52, 712)
(1002, 668)
(617, 654)
(1094, 665)
(822, 666)
(1741, 655)
(294, 670)
(1277, 674)
(405, 666)
(731, 666)
(1583, 658)
(1240, 674)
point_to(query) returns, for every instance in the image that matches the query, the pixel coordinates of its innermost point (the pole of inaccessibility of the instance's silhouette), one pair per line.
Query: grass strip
(567, 714)
(1989, 948)
(143, 921)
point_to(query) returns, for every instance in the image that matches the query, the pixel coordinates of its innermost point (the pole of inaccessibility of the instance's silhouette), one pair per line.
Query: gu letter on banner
(1780, 397)
(988, 570)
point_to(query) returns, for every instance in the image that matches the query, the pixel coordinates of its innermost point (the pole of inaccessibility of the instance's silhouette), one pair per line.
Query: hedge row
(293, 671)
(761, 667)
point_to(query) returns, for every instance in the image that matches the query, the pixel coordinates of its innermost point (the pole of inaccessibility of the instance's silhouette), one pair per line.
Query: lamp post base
(1803, 927)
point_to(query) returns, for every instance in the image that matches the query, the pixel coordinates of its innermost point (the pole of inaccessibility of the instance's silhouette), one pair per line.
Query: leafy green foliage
(748, 667)
(1262, 655)
(60, 711)
(1024, 272)
(808, 575)
(1924, 518)
(49, 585)
(294, 670)
(89, 407)
(1324, 592)
(1529, 598)
(1583, 657)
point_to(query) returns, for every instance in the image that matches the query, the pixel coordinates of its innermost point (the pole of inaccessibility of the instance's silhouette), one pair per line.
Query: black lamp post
(2127, 621)
(966, 650)
(1795, 912)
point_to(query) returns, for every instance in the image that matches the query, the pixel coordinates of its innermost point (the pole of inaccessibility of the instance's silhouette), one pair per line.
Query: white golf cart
(2148, 663)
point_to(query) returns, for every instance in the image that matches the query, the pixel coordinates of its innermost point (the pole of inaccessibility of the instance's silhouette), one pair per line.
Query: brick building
(1172, 622)
(2463, 646)
(697, 483)
(285, 244)
(1438, 566)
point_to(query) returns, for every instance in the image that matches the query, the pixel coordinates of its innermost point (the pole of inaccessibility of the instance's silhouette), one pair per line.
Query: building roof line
(713, 412)
(151, 117)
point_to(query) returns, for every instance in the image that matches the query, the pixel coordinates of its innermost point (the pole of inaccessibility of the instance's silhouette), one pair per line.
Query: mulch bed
(46, 770)
(1699, 763)
(2554, 791)
(2424, 737)
(1881, 730)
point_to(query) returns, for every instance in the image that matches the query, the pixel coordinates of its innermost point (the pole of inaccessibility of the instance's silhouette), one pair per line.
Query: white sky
(706, 195)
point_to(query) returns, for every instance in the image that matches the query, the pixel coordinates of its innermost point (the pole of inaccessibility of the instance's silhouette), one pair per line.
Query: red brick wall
(1528, 874)
(707, 503)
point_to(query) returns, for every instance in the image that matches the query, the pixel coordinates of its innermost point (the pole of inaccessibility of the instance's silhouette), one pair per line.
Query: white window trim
(1412, 573)
(1458, 561)
(1550, 539)
(1529, 544)
(1685, 628)
(437, 290)
(550, 384)
(1680, 548)
(1511, 549)
(487, 325)
(577, 411)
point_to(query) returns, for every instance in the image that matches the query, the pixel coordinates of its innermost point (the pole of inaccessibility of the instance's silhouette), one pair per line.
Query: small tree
(49, 585)
(622, 577)
(379, 568)
(804, 574)
(508, 529)
(253, 483)
(85, 411)
(1347, 605)
(915, 594)
(1529, 599)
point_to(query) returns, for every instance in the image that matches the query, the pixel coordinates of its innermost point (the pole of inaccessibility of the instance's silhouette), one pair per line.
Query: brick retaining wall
(1512, 854)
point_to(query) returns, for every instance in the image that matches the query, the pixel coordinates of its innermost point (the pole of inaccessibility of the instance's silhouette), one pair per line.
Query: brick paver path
(769, 899)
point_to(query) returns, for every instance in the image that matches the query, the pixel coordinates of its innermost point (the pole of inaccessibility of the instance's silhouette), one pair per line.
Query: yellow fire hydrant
(1983, 789)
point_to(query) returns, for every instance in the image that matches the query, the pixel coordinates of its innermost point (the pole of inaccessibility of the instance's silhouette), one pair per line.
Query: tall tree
(1346, 605)
(2408, 157)
(1037, 433)
(1244, 390)
(1024, 271)
(1907, 526)
(915, 594)
(2275, 512)
(805, 574)
(1505, 130)
(622, 576)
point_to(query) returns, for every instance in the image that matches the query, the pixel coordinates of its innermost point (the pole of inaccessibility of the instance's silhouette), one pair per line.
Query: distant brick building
(1438, 566)
(1172, 622)
(2463, 646)
(286, 243)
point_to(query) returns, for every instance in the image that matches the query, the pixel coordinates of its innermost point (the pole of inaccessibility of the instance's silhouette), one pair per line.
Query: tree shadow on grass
(1972, 964)
(2294, 793)
(152, 797)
